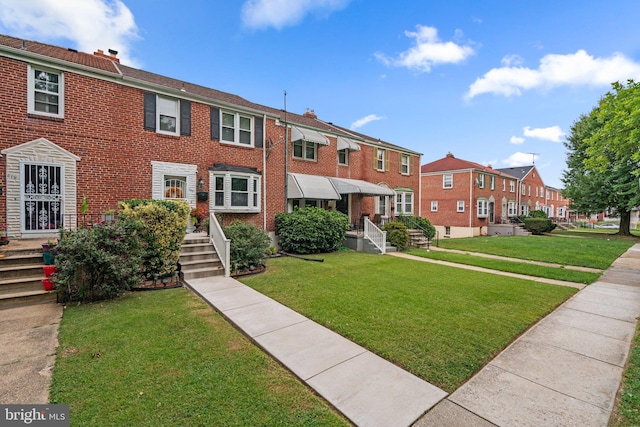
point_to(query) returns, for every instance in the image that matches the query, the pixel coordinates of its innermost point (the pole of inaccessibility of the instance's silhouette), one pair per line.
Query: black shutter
(150, 111)
(185, 117)
(215, 123)
(259, 134)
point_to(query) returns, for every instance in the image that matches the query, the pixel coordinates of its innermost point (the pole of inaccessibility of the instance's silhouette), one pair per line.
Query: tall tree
(604, 155)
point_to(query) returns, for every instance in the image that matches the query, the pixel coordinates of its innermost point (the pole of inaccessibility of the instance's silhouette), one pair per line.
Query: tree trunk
(625, 221)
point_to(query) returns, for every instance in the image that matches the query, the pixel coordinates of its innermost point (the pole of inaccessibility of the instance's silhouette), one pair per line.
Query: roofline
(468, 170)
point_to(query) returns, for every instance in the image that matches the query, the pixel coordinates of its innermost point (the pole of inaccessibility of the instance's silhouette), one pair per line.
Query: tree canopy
(604, 155)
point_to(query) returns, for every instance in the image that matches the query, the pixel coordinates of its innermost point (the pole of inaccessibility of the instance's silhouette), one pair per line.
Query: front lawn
(528, 269)
(583, 252)
(166, 358)
(440, 323)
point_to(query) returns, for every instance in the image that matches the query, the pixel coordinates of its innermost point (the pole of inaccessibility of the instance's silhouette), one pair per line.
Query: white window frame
(481, 180)
(306, 146)
(512, 186)
(460, 206)
(31, 95)
(434, 206)
(253, 192)
(380, 166)
(504, 185)
(405, 165)
(512, 208)
(167, 107)
(536, 191)
(492, 182)
(402, 203)
(447, 180)
(237, 130)
(523, 189)
(182, 187)
(483, 208)
(529, 190)
(345, 152)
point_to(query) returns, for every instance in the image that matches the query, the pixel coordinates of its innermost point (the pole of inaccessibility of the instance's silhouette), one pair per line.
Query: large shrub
(539, 213)
(249, 245)
(419, 223)
(397, 234)
(100, 262)
(164, 227)
(311, 230)
(538, 225)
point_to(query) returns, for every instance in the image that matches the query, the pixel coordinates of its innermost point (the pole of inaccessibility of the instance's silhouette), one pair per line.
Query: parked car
(607, 225)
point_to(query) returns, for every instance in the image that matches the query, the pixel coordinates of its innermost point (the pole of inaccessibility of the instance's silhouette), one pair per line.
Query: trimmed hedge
(538, 225)
(397, 234)
(311, 230)
(249, 244)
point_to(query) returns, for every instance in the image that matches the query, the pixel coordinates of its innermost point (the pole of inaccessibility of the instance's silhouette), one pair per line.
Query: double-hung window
(236, 192)
(167, 114)
(523, 189)
(492, 182)
(447, 180)
(512, 208)
(404, 203)
(512, 186)
(306, 150)
(480, 180)
(343, 157)
(46, 92)
(483, 208)
(380, 159)
(404, 164)
(460, 207)
(236, 128)
(434, 206)
(504, 184)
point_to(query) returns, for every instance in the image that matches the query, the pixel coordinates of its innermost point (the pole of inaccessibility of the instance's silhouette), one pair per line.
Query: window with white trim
(529, 189)
(380, 159)
(483, 208)
(480, 180)
(511, 208)
(305, 150)
(175, 187)
(536, 191)
(541, 191)
(447, 231)
(46, 92)
(236, 192)
(523, 189)
(236, 128)
(447, 180)
(504, 184)
(434, 206)
(343, 157)
(167, 115)
(404, 203)
(460, 207)
(512, 186)
(404, 165)
(492, 182)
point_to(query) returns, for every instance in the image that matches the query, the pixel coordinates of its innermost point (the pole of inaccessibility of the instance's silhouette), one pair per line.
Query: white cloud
(576, 69)
(90, 24)
(516, 140)
(520, 159)
(429, 50)
(553, 133)
(512, 60)
(259, 14)
(365, 120)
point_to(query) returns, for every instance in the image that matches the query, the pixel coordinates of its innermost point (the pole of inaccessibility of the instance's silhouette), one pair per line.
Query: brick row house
(78, 125)
(466, 199)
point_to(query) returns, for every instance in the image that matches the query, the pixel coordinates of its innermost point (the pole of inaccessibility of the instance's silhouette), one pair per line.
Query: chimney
(310, 113)
(111, 56)
(450, 155)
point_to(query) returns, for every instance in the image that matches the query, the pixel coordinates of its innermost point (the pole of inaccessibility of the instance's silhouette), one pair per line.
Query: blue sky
(489, 81)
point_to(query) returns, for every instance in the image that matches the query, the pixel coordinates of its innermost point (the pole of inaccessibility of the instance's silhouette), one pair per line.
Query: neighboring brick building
(77, 124)
(556, 206)
(532, 189)
(462, 198)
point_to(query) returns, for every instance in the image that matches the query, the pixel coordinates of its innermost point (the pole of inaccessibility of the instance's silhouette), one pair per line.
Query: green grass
(585, 252)
(440, 323)
(556, 273)
(627, 411)
(165, 358)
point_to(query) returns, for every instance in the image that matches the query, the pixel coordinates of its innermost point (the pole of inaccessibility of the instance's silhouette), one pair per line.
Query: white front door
(41, 195)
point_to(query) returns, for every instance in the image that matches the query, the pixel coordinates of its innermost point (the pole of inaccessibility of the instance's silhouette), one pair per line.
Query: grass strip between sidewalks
(627, 410)
(509, 266)
(166, 358)
(440, 323)
(585, 252)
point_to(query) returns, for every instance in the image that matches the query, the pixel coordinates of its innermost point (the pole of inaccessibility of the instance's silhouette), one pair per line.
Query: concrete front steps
(21, 275)
(198, 258)
(417, 239)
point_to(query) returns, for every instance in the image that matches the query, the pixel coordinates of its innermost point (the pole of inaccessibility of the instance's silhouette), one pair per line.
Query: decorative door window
(42, 197)
(175, 187)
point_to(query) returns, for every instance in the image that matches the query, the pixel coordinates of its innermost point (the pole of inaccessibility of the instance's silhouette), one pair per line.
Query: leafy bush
(164, 227)
(311, 230)
(538, 214)
(100, 262)
(538, 225)
(397, 234)
(249, 245)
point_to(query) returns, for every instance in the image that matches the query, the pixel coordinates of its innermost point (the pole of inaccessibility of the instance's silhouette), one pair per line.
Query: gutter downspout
(470, 202)
(264, 171)
(286, 155)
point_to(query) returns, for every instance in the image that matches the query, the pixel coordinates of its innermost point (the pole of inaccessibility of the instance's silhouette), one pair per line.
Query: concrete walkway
(364, 387)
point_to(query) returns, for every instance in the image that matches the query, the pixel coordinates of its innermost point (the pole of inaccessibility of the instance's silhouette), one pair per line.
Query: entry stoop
(21, 275)
(417, 239)
(198, 258)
